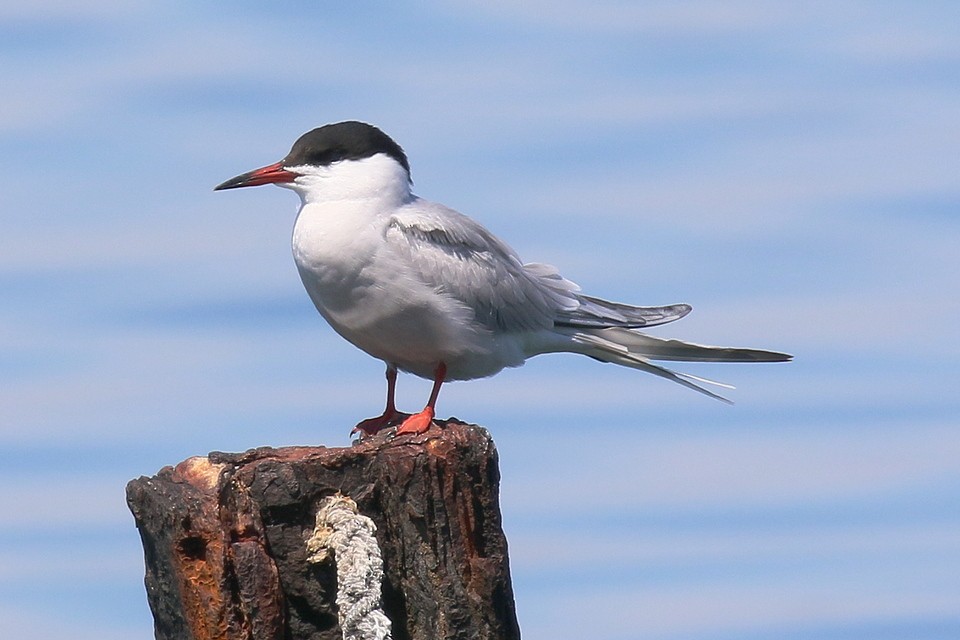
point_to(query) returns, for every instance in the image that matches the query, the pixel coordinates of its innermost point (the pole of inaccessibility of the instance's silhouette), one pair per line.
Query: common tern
(432, 292)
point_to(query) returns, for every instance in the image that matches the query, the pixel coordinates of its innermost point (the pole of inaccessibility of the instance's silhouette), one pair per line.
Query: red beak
(265, 175)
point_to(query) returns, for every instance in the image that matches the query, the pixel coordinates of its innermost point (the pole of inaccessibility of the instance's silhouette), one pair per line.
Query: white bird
(432, 292)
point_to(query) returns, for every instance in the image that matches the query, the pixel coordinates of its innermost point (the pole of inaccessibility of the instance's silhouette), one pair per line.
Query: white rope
(341, 528)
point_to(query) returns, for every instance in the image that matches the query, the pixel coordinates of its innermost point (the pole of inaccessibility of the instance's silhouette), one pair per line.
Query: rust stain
(199, 472)
(199, 554)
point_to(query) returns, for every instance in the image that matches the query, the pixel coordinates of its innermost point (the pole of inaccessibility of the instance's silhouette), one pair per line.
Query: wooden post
(224, 539)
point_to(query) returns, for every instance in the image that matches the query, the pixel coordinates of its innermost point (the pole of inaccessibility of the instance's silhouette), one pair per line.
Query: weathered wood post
(225, 539)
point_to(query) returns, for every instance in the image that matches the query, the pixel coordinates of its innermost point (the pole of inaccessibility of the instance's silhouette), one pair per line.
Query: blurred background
(791, 169)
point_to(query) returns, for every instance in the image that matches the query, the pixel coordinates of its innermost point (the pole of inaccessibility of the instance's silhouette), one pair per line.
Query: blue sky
(790, 169)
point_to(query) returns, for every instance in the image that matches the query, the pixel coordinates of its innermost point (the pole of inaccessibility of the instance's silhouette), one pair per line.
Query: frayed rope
(342, 529)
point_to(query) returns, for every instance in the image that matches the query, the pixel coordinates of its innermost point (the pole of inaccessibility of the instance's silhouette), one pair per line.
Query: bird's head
(335, 161)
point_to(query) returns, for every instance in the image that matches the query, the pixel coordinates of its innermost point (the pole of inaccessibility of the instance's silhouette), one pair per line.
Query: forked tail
(636, 350)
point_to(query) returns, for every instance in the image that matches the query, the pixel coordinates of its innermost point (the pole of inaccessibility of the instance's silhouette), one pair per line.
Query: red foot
(372, 426)
(417, 423)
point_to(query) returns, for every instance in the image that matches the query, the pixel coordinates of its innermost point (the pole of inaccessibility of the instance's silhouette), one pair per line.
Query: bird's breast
(361, 288)
(334, 250)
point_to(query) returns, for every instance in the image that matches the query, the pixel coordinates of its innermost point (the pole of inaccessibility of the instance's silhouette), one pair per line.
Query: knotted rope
(341, 528)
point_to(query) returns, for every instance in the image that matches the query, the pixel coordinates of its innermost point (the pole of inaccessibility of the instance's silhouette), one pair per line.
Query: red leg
(420, 422)
(371, 426)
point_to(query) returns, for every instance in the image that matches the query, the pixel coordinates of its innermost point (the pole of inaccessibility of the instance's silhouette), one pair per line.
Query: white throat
(377, 177)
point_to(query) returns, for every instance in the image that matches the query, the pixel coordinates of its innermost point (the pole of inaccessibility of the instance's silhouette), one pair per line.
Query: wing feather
(459, 258)
(597, 313)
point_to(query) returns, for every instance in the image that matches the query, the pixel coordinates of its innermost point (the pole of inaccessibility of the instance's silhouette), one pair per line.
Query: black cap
(343, 141)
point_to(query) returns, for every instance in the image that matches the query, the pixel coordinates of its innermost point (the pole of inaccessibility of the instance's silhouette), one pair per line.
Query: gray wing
(599, 314)
(458, 257)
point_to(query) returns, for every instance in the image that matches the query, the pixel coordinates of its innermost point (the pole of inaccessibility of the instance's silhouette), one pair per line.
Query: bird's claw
(417, 423)
(373, 426)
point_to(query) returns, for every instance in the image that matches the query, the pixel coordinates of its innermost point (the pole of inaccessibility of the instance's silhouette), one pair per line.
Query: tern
(431, 292)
